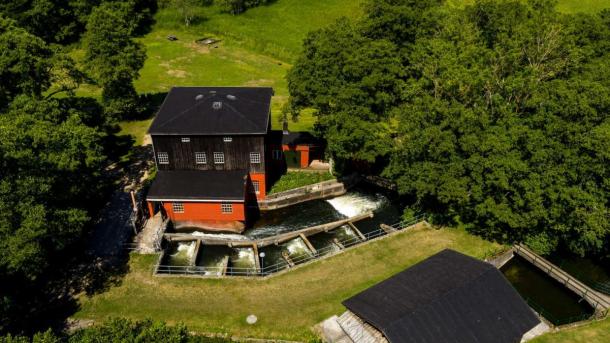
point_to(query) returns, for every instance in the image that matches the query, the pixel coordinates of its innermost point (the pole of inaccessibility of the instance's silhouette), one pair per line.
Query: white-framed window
(226, 207)
(178, 207)
(219, 157)
(163, 158)
(201, 158)
(257, 187)
(227, 139)
(276, 154)
(185, 140)
(255, 157)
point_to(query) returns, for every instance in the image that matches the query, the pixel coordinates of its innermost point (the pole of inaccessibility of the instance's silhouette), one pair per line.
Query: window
(227, 139)
(277, 154)
(226, 207)
(186, 140)
(255, 157)
(178, 207)
(163, 158)
(219, 158)
(200, 158)
(256, 185)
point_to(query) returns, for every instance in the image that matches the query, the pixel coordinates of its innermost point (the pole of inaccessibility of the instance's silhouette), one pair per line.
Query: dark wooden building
(209, 145)
(216, 154)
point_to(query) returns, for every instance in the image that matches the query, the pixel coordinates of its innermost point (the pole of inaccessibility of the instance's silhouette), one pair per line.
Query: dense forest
(494, 116)
(54, 145)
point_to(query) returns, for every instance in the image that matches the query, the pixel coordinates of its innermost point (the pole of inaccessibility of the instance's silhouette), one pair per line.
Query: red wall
(304, 149)
(262, 180)
(205, 211)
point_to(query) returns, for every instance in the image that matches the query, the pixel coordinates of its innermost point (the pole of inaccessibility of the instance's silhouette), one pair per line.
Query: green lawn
(294, 179)
(135, 128)
(596, 332)
(288, 305)
(256, 48)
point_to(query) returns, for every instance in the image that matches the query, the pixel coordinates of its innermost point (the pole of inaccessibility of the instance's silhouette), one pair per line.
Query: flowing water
(179, 253)
(212, 258)
(560, 305)
(298, 217)
(241, 261)
(296, 249)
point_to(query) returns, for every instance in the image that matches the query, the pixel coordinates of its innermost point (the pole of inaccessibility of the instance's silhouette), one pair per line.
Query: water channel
(551, 299)
(300, 216)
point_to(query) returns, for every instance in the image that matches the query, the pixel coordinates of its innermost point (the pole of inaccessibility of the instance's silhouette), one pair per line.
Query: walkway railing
(598, 301)
(336, 247)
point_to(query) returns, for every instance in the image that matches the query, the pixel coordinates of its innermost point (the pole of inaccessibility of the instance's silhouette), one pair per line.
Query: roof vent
(231, 97)
(212, 92)
(217, 105)
(199, 97)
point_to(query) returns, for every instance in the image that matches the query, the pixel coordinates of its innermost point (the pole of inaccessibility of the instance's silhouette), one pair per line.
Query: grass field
(256, 48)
(596, 332)
(288, 305)
(295, 179)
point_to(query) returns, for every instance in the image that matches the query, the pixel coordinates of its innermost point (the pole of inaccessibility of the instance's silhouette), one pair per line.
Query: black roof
(198, 185)
(448, 297)
(295, 138)
(214, 111)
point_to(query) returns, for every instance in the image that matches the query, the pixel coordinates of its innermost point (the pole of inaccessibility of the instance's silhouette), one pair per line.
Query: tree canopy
(494, 115)
(112, 57)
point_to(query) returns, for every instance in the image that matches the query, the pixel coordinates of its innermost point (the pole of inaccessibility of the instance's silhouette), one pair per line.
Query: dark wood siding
(236, 153)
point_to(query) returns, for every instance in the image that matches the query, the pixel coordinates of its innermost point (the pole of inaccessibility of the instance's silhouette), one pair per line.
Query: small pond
(550, 298)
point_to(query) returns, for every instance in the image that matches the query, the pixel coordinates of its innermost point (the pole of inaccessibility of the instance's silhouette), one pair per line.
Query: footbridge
(599, 301)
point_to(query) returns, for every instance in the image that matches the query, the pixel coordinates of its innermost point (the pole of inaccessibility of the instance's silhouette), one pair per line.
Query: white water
(244, 258)
(219, 235)
(353, 204)
(297, 247)
(184, 253)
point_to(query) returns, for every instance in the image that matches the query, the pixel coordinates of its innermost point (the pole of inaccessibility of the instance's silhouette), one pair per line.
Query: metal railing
(265, 270)
(577, 286)
(603, 287)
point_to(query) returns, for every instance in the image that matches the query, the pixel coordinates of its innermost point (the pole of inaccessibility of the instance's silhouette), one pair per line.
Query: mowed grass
(287, 305)
(596, 332)
(257, 48)
(295, 179)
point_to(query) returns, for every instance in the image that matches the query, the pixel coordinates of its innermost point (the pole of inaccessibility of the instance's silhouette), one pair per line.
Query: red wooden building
(215, 155)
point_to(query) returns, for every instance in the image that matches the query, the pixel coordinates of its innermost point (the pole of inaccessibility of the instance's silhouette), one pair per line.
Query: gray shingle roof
(214, 111)
(449, 297)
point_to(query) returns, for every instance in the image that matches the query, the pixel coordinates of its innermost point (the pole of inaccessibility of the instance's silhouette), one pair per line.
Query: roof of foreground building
(449, 297)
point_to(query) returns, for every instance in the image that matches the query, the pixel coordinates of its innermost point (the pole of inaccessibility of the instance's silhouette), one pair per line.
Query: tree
(496, 116)
(54, 21)
(364, 75)
(25, 66)
(50, 183)
(113, 57)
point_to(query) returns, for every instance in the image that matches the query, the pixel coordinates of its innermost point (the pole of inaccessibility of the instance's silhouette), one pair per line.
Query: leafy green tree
(365, 79)
(56, 21)
(25, 66)
(496, 116)
(50, 183)
(113, 57)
